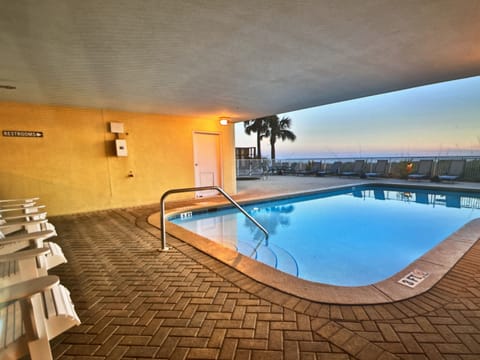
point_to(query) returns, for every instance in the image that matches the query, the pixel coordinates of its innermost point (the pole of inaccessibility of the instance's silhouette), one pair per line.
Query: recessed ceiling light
(8, 87)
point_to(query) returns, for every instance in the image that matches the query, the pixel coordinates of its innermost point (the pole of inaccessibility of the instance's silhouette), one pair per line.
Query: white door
(206, 147)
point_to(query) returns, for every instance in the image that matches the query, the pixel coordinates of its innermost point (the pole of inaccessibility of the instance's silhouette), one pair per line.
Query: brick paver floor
(136, 303)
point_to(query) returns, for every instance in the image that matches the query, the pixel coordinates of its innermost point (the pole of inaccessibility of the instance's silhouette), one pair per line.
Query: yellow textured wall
(73, 168)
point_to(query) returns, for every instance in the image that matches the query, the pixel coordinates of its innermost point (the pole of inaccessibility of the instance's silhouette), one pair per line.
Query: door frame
(220, 157)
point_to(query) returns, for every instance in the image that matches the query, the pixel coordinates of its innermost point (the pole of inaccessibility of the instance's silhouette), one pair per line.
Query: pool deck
(136, 302)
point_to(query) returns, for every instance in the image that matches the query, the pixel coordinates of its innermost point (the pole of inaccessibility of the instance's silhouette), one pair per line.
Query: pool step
(257, 252)
(277, 258)
(246, 248)
(267, 256)
(271, 255)
(285, 261)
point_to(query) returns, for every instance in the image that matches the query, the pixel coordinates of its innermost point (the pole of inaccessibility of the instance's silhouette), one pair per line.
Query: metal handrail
(201, 188)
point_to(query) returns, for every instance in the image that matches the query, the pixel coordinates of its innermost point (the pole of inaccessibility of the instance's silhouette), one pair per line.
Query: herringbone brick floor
(137, 303)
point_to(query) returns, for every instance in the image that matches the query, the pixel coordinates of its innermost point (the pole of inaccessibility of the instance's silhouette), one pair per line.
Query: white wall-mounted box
(116, 128)
(121, 146)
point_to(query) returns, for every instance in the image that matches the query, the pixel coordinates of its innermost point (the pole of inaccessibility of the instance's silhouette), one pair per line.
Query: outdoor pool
(353, 236)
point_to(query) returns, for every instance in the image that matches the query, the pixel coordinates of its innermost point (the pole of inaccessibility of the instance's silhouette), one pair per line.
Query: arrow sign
(22, 133)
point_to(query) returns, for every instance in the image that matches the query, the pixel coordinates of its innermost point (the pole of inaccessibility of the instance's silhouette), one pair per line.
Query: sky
(441, 119)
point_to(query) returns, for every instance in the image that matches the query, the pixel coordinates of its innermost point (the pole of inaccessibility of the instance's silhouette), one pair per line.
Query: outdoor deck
(135, 302)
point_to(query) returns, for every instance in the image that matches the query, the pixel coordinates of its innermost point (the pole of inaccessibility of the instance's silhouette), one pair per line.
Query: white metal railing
(201, 188)
(396, 165)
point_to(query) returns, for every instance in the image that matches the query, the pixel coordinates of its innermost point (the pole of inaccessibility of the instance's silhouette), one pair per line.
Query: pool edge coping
(437, 262)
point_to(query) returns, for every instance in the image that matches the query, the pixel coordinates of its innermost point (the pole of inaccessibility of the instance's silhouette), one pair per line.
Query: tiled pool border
(437, 262)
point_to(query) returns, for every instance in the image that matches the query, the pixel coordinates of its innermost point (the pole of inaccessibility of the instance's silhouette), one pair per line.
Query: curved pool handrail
(200, 188)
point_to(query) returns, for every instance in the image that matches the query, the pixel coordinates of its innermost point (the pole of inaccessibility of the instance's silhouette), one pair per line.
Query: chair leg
(33, 313)
(40, 349)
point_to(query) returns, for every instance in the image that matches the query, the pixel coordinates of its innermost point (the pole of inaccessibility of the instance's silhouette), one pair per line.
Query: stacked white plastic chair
(34, 306)
(23, 226)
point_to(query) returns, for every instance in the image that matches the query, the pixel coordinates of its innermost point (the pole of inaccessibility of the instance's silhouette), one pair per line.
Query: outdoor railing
(398, 167)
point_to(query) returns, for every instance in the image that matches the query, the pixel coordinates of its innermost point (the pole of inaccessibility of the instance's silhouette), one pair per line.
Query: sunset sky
(440, 119)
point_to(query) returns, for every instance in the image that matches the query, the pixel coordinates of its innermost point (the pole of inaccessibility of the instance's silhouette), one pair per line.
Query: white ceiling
(242, 58)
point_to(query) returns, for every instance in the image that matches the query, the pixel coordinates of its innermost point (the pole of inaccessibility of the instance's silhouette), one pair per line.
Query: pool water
(350, 237)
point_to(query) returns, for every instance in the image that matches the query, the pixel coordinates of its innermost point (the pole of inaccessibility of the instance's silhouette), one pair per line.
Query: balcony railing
(398, 167)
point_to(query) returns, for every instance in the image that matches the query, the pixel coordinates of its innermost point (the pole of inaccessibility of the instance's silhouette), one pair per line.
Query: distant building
(245, 153)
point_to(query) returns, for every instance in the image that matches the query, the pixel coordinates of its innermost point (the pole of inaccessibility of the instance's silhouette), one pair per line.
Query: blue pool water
(349, 237)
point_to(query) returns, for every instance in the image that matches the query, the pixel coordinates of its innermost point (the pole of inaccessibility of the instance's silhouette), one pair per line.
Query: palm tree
(279, 129)
(260, 127)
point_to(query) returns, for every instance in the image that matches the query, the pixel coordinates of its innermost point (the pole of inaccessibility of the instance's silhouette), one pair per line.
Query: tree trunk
(259, 150)
(272, 149)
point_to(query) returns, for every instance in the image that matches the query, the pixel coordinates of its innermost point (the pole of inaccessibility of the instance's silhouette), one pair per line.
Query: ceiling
(242, 59)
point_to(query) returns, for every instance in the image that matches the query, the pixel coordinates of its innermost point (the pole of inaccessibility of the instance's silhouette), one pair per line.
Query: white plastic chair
(31, 314)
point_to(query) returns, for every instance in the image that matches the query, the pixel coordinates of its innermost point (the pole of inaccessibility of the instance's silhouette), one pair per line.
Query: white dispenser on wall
(120, 144)
(121, 147)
